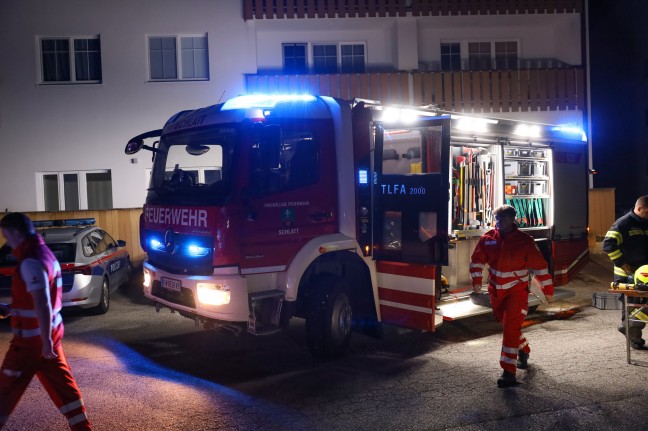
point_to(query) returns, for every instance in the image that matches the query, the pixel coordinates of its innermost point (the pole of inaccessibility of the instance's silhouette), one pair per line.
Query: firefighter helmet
(641, 279)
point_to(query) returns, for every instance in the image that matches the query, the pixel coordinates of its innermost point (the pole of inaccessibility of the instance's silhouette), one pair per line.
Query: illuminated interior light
(213, 294)
(264, 100)
(363, 176)
(531, 131)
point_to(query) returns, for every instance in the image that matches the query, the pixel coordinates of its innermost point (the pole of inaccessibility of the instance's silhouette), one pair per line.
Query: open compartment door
(410, 212)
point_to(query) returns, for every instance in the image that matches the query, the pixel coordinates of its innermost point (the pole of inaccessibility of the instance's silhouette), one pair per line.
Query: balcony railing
(296, 9)
(462, 91)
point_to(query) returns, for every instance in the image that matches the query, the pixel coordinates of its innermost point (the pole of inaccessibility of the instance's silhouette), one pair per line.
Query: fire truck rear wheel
(328, 323)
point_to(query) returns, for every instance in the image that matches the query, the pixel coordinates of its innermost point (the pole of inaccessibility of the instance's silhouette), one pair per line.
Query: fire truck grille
(184, 297)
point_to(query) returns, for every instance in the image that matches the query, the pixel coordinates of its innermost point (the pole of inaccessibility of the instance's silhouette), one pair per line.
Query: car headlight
(213, 294)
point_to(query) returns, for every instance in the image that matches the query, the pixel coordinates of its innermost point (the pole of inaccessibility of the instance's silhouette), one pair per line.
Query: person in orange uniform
(509, 254)
(36, 323)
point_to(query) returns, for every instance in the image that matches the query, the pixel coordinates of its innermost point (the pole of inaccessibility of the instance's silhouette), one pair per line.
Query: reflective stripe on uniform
(616, 235)
(28, 333)
(615, 254)
(11, 373)
(523, 311)
(81, 417)
(636, 232)
(71, 406)
(509, 350)
(519, 273)
(546, 282)
(507, 285)
(544, 271)
(508, 360)
(619, 271)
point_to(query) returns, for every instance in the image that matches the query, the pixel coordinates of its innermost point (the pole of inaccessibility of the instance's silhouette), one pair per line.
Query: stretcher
(629, 297)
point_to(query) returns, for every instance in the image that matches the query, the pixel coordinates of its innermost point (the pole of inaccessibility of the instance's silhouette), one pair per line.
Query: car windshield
(64, 252)
(194, 167)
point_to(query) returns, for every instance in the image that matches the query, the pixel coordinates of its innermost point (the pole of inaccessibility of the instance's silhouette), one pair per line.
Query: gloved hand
(628, 269)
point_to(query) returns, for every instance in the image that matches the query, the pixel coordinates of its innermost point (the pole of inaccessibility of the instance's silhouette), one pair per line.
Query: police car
(93, 264)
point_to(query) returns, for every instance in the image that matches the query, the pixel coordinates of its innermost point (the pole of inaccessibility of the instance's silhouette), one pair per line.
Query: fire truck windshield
(193, 167)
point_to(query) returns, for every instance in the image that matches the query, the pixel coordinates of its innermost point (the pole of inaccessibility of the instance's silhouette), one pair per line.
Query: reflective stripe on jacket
(509, 259)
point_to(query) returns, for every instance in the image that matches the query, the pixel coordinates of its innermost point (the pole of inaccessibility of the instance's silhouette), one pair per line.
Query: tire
(329, 319)
(104, 299)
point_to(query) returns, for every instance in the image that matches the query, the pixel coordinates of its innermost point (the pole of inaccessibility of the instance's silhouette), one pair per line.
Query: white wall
(85, 127)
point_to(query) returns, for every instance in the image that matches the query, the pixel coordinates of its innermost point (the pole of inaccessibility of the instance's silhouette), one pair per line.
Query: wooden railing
(119, 223)
(462, 91)
(296, 9)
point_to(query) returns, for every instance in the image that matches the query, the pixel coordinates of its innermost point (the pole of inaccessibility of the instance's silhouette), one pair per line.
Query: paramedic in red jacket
(36, 323)
(509, 254)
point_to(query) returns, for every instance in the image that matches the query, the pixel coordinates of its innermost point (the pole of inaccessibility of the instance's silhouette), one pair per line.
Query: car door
(117, 259)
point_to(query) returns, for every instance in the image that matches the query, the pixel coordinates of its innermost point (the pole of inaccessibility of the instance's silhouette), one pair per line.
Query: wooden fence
(461, 91)
(120, 224)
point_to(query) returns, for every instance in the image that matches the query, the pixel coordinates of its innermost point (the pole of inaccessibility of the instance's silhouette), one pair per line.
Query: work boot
(522, 361)
(638, 344)
(507, 380)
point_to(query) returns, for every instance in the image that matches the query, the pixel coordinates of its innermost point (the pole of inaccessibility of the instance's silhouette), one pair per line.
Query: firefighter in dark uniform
(626, 244)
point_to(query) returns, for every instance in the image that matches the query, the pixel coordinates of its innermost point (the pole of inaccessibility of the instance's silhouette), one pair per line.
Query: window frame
(82, 188)
(71, 60)
(178, 57)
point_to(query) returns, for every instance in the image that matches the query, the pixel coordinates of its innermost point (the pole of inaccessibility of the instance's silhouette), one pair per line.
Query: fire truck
(346, 214)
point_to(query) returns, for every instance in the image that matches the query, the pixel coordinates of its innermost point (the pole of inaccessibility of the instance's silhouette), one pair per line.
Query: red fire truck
(345, 214)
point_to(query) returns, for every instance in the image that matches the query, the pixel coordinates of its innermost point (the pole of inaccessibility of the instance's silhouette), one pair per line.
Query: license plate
(171, 284)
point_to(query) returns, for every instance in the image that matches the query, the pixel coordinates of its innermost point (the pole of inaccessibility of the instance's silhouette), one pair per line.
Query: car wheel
(329, 319)
(104, 300)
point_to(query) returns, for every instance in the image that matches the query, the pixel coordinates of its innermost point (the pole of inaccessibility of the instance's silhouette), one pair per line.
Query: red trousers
(22, 362)
(510, 307)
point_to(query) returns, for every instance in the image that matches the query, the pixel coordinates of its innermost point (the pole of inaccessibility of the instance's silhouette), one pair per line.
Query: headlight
(213, 294)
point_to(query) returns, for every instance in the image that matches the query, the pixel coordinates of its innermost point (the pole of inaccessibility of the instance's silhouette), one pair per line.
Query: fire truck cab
(265, 208)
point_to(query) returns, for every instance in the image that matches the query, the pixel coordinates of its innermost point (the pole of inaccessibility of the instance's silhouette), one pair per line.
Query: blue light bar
(264, 100)
(64, 222)
(156, 244)
(571, 131)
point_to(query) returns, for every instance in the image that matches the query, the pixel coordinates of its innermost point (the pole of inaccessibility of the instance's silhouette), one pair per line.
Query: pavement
(131, 379)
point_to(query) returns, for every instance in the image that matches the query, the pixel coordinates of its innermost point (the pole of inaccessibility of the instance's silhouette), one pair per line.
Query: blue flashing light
(571, 131)
(363, 176)
(265, 101)
(156, 244)
(194, 250)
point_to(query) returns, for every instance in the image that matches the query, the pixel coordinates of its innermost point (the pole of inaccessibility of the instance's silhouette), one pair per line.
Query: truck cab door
(410, 190)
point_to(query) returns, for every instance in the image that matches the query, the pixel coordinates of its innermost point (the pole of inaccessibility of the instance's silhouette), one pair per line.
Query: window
(58, 191)
(70, 60)
(294, 55)
(325, 58)
(451, 56)
(506, 55)
(297, 164)
(353, 58)
(173, 58)
(479, 55)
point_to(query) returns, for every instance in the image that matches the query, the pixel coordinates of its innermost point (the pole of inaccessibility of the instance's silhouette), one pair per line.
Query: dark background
(619, 108)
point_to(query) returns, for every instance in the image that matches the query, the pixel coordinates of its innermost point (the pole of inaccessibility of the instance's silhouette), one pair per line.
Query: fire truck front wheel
(328, 322)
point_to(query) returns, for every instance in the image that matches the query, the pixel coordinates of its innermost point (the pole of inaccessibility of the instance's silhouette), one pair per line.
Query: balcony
(487, 91)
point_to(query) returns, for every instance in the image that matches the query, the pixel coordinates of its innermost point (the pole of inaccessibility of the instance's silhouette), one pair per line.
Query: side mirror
(121, 243)
(196, 150)
(134, 146)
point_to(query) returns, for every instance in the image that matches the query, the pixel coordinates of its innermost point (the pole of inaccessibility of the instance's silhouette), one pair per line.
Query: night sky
(619, 80)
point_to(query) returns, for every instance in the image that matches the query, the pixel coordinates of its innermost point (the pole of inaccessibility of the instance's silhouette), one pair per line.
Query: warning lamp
(213, 294)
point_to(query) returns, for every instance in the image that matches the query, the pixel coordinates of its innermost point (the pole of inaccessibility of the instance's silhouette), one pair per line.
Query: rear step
(454, 307)
(265, 312)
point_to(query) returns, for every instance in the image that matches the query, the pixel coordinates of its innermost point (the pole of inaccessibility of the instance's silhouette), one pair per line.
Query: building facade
(81, 78)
